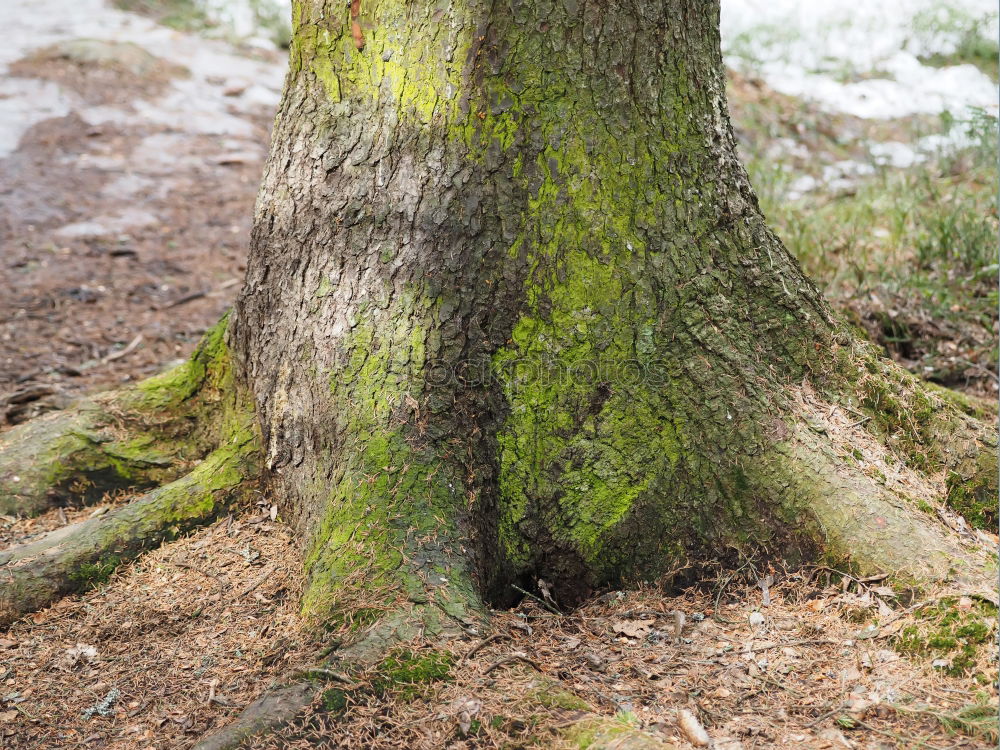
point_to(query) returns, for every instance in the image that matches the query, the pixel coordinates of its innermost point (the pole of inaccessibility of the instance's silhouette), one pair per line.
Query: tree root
(605, 733)
(137, 437)
(283, 704)
(872, 510)
(82, 555)
(272, 710)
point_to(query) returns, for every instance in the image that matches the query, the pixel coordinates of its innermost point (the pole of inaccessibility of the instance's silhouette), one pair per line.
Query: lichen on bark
(136, 437)
(512, 193)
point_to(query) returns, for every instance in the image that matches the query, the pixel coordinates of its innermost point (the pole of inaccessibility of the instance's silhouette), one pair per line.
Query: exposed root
(283, 704)
(370, 664)
(137, 437)
(933, 430)
(873, 509)
(82, 555)
(272, 710)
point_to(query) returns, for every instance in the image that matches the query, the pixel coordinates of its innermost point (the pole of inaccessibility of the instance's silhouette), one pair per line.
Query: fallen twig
(827, 715)
(330, 674)
(186, 566)
(253, 586)
(123, 352)
(185, 299)
(549, 607)
(804, 642)
(479, 646)
(910, 741)
(516, 656)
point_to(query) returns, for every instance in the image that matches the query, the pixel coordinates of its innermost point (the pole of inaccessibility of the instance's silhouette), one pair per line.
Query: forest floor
(126, 202)
(179, 642)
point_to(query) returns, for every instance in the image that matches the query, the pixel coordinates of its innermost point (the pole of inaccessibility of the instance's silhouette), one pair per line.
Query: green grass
(189, 15)
(910, 254)
(971, 36)
(183, 15)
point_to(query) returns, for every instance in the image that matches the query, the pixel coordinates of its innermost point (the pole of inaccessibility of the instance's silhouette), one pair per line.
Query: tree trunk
(513, 321)
(512, 312)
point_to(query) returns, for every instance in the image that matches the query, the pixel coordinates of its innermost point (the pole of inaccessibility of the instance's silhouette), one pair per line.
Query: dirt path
(129, 160)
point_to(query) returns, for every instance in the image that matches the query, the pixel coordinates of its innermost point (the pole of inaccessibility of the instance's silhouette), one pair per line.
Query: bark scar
(359, 37)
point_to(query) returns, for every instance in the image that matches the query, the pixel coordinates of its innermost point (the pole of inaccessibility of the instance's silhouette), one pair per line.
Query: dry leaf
(891, 628)
(885, 656)
(632, 628)
(466, 709)
(850, 674)
(80, 653)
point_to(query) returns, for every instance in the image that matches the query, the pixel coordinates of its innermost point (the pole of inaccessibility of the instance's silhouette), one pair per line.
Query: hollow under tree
(512, 312)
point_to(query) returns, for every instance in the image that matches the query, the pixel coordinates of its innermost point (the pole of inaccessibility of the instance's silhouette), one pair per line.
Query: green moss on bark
(133, 438)
(401, 62)
(394, 492)
(643, 323)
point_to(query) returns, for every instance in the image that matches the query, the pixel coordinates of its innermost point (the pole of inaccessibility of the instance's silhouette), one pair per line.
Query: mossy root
(871, 521)
(136, 437)
(84, 555)
(595, 732)
(383, 654)
(404, 624)
(75, 456)
(273, 709)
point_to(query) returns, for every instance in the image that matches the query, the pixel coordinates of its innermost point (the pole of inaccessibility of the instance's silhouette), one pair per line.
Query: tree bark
(513, 320)
(512, 312)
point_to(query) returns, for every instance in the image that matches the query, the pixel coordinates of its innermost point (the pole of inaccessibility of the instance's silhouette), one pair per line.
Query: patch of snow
(782, 147)
(862, 58)
(800, 186)
(23, 102)
(254, 21)
(128, 186)
(895, 154)
(841, 175)
(202, 103)
(955, 139)
(102, 226)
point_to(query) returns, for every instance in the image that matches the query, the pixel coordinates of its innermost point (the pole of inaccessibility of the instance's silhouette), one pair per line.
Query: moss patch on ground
(92, 575)
(406, 673)
(958, 635)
